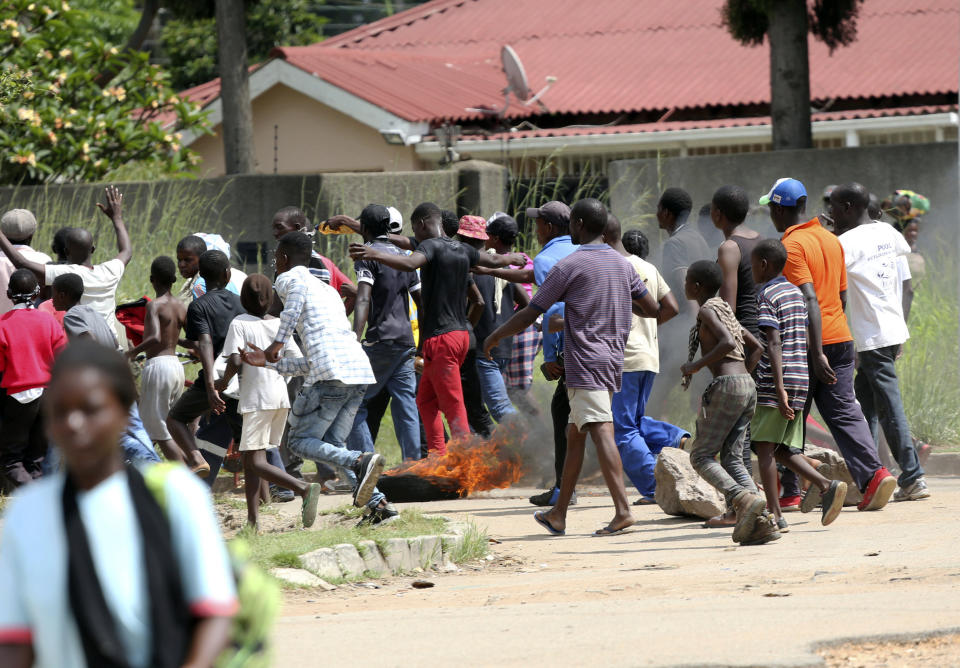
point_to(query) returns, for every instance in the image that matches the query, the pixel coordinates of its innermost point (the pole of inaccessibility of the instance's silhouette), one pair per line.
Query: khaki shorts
(263, 429)
(588, 406)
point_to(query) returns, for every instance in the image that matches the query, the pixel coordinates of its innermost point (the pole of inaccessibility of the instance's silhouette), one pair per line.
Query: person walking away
(383, 309)
(782, 380)
(19, 226)
(502, 233)
(444, 270)
(94, 572)
(162, 378)
(99, 281)
(29, 342)
(872, 252)
(600, 290)
(500, 297)
(816, 266)
(640, 439)
(264, 403)
(208, 322)
(336, 375)
(727, 405)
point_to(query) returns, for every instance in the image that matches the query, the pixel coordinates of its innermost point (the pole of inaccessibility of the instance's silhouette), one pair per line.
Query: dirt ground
(666, 593)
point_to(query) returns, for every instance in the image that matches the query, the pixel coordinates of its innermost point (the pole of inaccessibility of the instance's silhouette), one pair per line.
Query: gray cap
(18, 224)
(556, 213)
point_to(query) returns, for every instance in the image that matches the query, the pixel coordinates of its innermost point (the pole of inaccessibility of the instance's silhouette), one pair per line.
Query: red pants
(440, 388)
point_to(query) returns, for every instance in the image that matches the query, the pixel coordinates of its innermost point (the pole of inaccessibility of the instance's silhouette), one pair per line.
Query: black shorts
(193, 403)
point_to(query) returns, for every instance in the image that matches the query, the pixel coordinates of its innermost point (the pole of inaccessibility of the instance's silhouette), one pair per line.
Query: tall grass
(928, 370)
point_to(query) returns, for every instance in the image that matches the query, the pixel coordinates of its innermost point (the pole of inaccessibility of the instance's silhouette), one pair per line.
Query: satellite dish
(516, 77)
(516, 84)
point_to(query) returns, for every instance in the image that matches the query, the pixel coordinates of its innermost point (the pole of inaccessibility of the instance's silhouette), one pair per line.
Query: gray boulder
(680, 490)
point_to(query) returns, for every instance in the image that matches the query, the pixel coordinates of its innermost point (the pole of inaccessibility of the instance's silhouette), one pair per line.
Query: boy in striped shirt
(782, 379)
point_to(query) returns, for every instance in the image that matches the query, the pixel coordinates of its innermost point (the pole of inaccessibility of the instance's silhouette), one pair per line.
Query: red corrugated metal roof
(436, 60)
(669, 126)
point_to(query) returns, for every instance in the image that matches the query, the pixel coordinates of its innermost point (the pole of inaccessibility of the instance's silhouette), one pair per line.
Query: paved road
(667, 593)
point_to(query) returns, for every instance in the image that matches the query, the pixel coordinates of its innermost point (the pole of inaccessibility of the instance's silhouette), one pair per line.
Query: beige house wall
(311, 138)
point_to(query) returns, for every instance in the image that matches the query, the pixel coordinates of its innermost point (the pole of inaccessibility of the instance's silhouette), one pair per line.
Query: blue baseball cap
(784, 192)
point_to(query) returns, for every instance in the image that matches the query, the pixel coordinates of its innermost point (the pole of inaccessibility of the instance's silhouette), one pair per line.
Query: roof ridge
(406, 17)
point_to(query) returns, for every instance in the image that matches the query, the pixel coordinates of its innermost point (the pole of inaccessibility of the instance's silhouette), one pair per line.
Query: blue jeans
(640, 438)
(878, 392)
(392, 365)
(493, 389)
(137, 446)
(321, 419)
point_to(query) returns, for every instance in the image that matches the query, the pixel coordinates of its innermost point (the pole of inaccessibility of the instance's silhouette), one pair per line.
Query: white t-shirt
(35, 605)
(7, 269)
(874, 285)
(261, 388)
(642, 351)
(99, 288)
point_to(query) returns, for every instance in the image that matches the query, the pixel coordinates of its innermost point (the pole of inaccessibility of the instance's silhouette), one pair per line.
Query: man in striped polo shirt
(601, 292)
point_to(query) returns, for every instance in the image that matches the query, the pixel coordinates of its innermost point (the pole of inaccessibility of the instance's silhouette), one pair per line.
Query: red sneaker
(790, 503)
(881, 487)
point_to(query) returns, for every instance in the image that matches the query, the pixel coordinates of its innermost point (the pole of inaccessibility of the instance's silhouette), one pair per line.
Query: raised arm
(20, 262)
(818, 360)
(113, 211)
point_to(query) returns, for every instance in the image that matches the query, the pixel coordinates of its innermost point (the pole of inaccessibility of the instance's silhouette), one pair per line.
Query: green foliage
(833, 22)
(928, 370)
(65, 127)
(190, 39)
(112, 20)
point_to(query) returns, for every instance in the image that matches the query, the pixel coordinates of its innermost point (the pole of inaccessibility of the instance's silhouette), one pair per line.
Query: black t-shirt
(389, 317)
(491, 319)
(212, 314)
(444, 278)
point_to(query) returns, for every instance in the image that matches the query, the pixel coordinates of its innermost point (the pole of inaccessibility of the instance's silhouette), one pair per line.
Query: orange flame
(474, 464)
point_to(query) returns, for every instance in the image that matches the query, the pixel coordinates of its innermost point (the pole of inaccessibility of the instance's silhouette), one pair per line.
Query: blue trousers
(392, 366)
(640, 438)
(493, 387)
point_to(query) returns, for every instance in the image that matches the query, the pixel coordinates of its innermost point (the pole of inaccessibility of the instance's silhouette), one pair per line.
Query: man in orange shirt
(816, 266)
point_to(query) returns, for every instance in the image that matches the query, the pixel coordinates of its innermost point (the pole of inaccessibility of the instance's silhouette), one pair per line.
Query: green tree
(65, 127)
(785, 24)
(190, 38)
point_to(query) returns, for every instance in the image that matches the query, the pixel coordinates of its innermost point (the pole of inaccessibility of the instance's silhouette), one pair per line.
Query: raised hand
(114, 203)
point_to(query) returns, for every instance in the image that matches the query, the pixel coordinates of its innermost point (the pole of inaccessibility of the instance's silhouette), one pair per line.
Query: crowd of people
(446, 324)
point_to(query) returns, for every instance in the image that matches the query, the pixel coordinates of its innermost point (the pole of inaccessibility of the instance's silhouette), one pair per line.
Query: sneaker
(811, 498)
(281, 494)
(368, 468)
(336, 486)
(878, 491)
(917, 490)
(309, 511)
(764, 531)
(749, 507)
(782, 526)
(549, 498)
(832, 501)
(789, 504)
(380, 516)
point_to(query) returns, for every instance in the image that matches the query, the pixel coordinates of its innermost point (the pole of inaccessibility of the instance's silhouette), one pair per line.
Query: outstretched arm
(20, 262)
(509, 274)
(113, 211)
(505, 260)
(516, 324)
(410, 262)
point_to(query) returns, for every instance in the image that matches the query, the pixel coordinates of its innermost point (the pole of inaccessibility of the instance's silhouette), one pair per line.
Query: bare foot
(728, 519)
(553, 518)
(616, 526)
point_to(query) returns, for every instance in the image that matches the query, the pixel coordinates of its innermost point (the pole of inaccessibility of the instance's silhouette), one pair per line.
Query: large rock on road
(680, 490)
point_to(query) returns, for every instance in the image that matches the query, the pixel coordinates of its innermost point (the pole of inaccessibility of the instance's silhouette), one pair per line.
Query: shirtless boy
(728, 404)
(161, 381)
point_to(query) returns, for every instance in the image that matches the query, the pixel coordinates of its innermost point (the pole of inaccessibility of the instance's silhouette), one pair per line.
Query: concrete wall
(310, 137)
(930, 169)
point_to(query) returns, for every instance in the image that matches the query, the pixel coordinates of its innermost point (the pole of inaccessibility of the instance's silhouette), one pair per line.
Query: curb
(397, 556)
(943, 463)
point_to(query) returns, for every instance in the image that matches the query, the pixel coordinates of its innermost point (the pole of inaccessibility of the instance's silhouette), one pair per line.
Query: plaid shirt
(315, 311)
